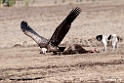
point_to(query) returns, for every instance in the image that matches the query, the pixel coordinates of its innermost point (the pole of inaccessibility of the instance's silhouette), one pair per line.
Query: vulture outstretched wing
(41, 41)
(64, 27)
(58, 34)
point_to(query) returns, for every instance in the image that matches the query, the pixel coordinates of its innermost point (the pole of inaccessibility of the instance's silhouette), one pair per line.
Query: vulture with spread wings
(60, 32)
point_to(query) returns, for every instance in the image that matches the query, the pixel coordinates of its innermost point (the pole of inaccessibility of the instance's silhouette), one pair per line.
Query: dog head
(119, 38)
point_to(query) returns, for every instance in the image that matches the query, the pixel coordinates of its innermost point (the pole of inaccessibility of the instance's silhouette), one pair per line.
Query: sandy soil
(20, 61)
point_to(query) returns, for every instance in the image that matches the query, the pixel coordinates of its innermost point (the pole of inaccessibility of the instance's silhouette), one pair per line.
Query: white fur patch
(44, 50)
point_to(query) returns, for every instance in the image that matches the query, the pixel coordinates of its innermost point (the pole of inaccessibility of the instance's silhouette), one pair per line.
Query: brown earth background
(20, 61)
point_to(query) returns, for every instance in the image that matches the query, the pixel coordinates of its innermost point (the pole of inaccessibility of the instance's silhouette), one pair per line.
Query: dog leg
(113, 47)
(116, 46)
(105, 46)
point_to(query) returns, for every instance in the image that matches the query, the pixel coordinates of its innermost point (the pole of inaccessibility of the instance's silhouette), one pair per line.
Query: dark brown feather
(64, 27)
(41, 41)
(75, 49)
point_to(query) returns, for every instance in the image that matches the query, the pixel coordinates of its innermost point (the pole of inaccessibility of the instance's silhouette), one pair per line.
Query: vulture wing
(41, 41)
(64, 27)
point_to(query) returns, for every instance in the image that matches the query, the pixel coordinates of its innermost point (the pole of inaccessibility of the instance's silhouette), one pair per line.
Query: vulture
(52, 45)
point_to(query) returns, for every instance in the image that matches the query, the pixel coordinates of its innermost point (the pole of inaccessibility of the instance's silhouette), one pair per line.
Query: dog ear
(119, 38)
(110, 36)
(99, 37)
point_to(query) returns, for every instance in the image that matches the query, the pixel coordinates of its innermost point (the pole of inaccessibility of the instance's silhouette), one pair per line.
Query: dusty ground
(20, 61)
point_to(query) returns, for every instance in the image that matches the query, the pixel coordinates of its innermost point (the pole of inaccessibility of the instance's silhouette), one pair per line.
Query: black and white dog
(112, 39)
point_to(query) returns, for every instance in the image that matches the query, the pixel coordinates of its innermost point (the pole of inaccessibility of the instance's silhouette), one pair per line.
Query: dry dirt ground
(20, 61)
